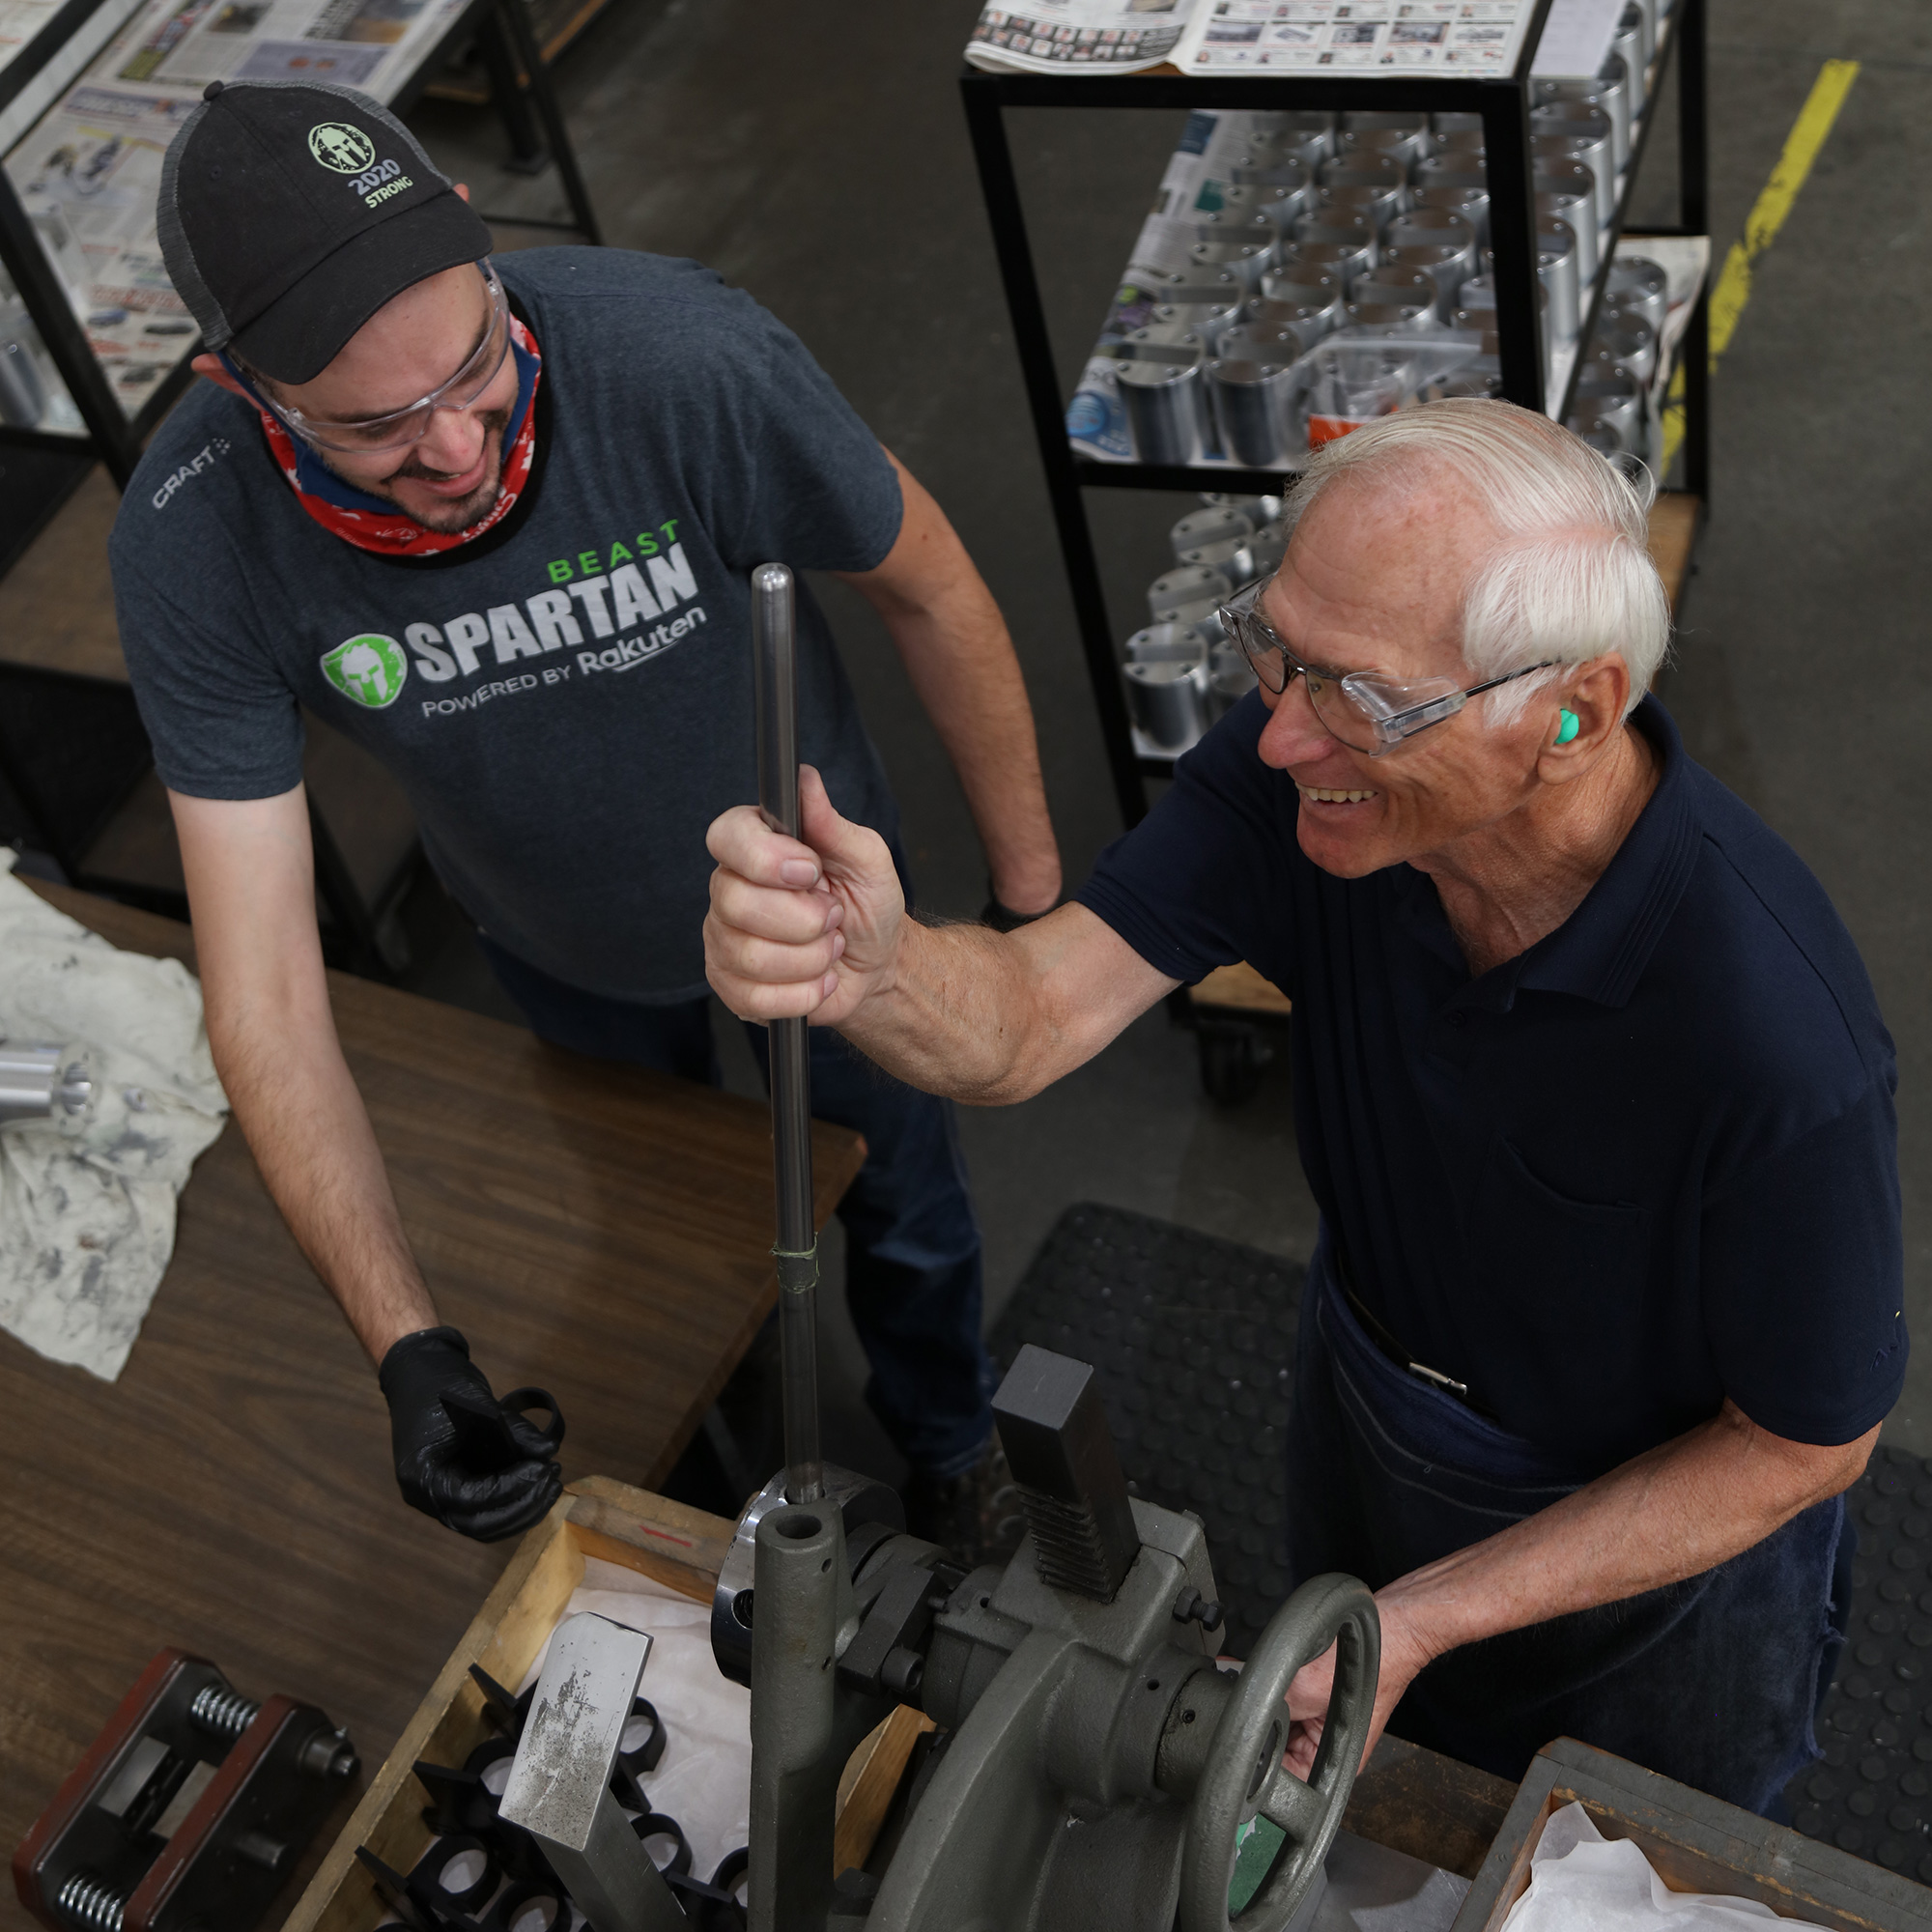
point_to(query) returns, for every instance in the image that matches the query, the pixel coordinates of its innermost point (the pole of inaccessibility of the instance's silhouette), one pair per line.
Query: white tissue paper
(87, 1219)
(704, 1777)
(1583, 1882)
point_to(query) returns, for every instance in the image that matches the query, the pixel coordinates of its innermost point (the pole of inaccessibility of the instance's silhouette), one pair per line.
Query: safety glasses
(373, 435)
(1366, 710)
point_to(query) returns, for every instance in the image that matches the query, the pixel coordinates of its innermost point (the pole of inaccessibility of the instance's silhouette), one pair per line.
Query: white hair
(1571, 577)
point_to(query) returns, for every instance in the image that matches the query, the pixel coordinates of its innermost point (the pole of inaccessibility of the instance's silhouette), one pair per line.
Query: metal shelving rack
(47, 65)
(1504, 105)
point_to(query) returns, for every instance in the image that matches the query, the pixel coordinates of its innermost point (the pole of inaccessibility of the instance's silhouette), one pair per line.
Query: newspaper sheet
(1360, 38)
(1100, 36)
(88, 170)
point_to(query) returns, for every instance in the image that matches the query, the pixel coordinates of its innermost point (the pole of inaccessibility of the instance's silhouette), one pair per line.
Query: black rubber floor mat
(1872, 1795)
(1194, 1341)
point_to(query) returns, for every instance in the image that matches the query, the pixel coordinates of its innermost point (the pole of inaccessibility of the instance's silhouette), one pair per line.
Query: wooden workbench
(599, 1231)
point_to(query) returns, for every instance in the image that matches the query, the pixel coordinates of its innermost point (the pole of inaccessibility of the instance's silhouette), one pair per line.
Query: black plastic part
(655, 1825)
(427, 1876)
(641, 1758)
(882, 1658)
(1053, 1427)
(1192, 1343)
(505, 1707)
(520, 1894)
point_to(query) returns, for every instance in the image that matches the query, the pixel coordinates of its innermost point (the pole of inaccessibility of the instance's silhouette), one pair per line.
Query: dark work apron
(1713, 1681)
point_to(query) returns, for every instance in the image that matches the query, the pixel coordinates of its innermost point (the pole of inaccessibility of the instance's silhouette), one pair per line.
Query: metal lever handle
(774, 676)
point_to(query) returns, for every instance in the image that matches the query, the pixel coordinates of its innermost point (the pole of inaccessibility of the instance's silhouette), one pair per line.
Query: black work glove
(1004, 919)
(462, 1456)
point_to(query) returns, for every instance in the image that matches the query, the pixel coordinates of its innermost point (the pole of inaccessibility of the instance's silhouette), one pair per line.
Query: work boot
(974, 1516)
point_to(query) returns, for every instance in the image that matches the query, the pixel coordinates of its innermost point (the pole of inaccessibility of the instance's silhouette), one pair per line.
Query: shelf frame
(1504, 105)
(110, 433)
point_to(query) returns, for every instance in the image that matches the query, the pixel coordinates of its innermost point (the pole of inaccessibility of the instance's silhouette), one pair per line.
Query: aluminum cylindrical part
(1407, 142)
(1446, 267)
(44, 1083)
(1380, 204)
(1350, 232)
(1643, 18)
(1402, 287)
(1455, 123)
(1252, 385)
(1639, 286)
(1627, 46)
(1393, 318)
(1631, 341)
(1279, 201)
(1231, 556)
(1574, 212)
(1183, 587)
(1557, 270)
(1308, 322)
(1372, 169)
(1269, 544)
(1303, 262)
(1160, 393)
(1177, 322)
(1237, 225)
(1212, 523)
(1473, 204)
(1259, 510)
(1307, 135)
(1166, 674)
(1606, 95)
(1588, 142)
(1246, 261)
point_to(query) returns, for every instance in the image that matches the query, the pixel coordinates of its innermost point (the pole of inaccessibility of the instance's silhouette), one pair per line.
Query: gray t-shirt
(567, 699)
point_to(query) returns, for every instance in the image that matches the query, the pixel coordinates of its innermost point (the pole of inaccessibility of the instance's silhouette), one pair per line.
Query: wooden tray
(1695, 1843)
(679, 1547)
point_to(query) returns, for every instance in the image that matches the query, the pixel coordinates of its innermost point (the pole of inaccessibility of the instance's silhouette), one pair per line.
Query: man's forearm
(310, 1135)
(1672, 1513)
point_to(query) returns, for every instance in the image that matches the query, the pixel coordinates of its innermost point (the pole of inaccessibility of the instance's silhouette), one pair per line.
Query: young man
(494, 524)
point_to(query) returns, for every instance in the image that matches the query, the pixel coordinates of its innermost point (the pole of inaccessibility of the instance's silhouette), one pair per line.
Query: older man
(1590, 1085)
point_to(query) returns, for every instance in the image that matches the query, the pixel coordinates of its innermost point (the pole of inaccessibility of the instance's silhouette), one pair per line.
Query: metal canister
(1556, 268)
(1163, 398)
(1239, 227)
(1184, 586)
(1300, 284)
(1588, 141)
(1229, 677)
(1346, 233)
(1479, 301)
(1372, 169)
(1573, 114)
(1382, 205)
(1252, 385)
(1627, 46)
(1280, 204)
(1445, 265)
(1571, 209)
(1392, 318)
(1446, 125)
(1473, 204)
(1643, 15)
(1629, 339)
(1482, 383)
(1308, 137)
(1167, 684)
(1171, 321)
(1303, 263)
(1246, 261)
(1639, 286)
(1308, 322)
(1608, 92)
(1259, 510)
(1212, 523)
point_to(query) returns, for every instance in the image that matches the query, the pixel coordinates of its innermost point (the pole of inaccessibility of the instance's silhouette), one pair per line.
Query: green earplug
(1568, 728)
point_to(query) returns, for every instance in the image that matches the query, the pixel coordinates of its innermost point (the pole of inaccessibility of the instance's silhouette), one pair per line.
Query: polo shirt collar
(1600, 952)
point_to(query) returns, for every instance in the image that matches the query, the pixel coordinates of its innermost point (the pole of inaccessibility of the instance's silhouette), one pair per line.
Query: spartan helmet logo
(338, 145)
(369, 670)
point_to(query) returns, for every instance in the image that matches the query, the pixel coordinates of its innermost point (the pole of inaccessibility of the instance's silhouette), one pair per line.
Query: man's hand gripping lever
(462, 1456)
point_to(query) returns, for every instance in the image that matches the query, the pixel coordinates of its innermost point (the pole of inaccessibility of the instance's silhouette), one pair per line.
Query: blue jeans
(1713, 1681)
(912, 1244)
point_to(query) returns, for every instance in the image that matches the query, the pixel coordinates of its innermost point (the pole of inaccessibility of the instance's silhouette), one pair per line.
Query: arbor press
(1096, 1770)
(188, 1810)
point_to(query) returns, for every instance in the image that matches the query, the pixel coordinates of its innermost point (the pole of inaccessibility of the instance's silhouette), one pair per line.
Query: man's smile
(1328, 795)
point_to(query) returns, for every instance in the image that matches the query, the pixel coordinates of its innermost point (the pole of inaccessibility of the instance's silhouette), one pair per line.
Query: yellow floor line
(1734, 286)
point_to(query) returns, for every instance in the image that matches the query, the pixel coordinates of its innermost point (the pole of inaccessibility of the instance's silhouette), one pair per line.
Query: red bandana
(383, 529)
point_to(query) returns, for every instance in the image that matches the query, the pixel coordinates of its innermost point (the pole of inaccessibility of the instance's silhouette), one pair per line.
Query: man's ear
(213, 367)
(1596, 700)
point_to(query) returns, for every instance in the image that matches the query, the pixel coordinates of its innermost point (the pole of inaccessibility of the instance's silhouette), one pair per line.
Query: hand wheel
(1245, 1773)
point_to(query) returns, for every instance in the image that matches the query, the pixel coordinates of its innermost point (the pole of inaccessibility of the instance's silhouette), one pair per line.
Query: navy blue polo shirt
(1647, 1164)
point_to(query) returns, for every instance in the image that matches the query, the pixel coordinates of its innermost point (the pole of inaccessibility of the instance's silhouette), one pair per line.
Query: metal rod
(775, 677)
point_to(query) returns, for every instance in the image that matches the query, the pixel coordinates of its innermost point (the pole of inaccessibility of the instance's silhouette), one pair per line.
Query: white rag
(704, 1777)
(1583, 1882)
(87, 1219)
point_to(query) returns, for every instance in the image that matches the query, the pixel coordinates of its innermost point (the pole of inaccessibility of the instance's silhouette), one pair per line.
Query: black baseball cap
(290, 211)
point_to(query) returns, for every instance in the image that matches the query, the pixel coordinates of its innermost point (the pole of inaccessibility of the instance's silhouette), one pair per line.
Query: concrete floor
(837, 186)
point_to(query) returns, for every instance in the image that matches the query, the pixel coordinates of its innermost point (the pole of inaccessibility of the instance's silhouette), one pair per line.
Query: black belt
(1379, 1334)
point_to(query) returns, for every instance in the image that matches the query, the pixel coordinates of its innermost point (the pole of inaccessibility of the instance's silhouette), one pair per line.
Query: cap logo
(341, 146)
(370, 670)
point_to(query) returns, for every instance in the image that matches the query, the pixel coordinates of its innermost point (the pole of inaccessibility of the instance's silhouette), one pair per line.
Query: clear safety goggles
(373, 435)
(1366, 710)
